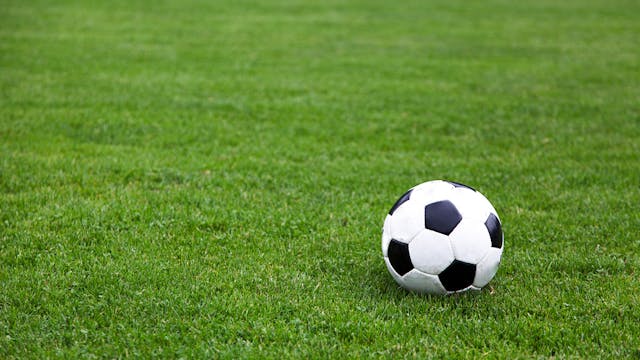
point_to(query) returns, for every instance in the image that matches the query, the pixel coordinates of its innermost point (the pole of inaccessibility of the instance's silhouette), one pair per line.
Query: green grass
(209, 179)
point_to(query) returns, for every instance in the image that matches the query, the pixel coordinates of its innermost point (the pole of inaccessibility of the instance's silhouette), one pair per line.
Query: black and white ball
(442, 237)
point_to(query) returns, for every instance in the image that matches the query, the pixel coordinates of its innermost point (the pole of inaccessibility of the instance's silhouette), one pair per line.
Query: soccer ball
(442, 237)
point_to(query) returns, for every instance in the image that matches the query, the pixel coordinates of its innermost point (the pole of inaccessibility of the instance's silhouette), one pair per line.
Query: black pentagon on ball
(495, 230)
(441, 216)
(457, 276)
(404, 198)
(398, 253)
(459, 185)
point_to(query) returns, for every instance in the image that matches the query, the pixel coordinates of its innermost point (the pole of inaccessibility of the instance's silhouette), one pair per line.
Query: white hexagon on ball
(487, 267)
(470, 241)
(406, 221)
(416, 280)
(431, 252)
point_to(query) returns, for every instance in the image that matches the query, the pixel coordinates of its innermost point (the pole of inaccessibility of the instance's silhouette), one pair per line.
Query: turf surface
(209, 179)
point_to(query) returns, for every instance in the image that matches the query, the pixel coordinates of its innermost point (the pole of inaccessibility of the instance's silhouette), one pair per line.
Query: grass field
(209, 179)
